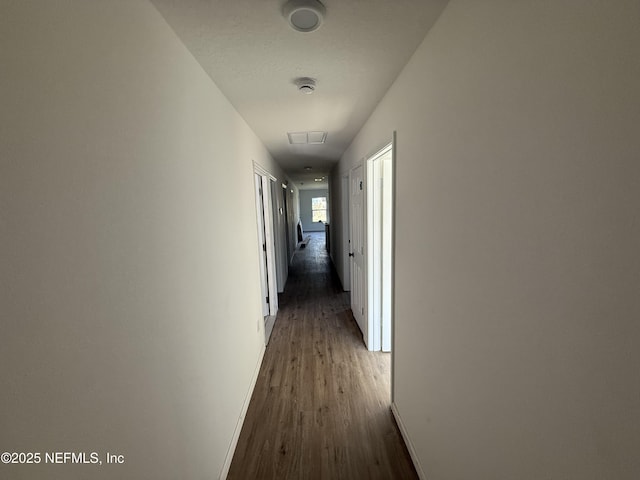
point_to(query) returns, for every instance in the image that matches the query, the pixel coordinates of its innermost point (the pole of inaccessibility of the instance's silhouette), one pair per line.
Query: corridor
(320, 408)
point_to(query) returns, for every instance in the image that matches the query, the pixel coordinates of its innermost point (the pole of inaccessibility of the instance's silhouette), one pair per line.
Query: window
(319, 209)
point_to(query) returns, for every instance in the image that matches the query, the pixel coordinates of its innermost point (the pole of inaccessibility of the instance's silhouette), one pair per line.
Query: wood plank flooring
(320, 408)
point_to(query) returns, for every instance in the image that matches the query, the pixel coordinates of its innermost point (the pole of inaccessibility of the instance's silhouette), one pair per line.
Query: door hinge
(267, 300)
(264, 247)
(362, 308)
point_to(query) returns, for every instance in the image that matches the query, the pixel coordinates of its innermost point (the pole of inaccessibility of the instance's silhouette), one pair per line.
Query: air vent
(304, 138)
(298, 138)
(317, 137)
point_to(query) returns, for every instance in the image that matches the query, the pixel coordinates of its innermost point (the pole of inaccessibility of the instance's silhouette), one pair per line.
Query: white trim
(269, 231)
(373, 273)
(245, 406)
(407, 442)
(394, 150)
(388, 146)
(260, 170)
(271, 249)
(264, 276)
(373, 218)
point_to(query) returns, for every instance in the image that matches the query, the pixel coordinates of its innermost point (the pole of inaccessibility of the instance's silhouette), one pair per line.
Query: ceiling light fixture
(304, 15)
(306, 85)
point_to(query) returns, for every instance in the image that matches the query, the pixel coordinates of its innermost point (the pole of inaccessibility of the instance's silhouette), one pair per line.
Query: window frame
(314, 210)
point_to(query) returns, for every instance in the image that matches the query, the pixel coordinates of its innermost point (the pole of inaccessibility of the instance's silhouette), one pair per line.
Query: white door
(346, 244)
(262, 244)
(356, 210)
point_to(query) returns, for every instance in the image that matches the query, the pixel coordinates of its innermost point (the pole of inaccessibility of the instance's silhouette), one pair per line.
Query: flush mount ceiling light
(306, 85)
(304, 15)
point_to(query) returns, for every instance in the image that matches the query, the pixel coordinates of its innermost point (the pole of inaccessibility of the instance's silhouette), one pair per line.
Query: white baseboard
(407, 442)
(245, 406)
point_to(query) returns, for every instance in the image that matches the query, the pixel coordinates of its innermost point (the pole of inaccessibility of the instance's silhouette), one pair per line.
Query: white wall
(129, 281)
(305, 209)
(517, 261)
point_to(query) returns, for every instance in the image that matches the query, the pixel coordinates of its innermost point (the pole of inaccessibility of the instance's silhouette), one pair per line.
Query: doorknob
(351, 254)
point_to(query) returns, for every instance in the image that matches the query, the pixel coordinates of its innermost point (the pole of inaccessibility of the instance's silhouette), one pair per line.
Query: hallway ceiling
(254, 56)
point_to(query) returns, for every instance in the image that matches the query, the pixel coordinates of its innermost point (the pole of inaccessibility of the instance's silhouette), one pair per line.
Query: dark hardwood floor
(320, 408)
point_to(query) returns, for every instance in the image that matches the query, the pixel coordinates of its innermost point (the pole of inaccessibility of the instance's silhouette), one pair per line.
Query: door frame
(267, 180)
(379, 247)
(262, 242)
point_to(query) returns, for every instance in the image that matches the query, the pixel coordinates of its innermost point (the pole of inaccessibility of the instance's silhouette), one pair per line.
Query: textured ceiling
(253, 56)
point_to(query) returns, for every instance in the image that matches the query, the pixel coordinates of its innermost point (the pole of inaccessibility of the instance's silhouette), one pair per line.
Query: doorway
(262, 240)
(379, 248)
(263, 182)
